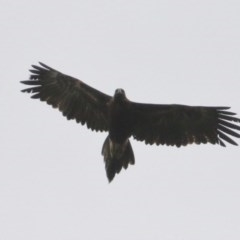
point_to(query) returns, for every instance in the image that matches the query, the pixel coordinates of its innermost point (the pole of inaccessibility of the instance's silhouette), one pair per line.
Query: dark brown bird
(174, 125)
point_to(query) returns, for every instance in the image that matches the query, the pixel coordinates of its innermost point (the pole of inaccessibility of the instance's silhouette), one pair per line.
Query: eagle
(160, 124)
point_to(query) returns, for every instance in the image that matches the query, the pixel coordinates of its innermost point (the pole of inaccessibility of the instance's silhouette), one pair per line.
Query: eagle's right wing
(181, 125)
(75, 99)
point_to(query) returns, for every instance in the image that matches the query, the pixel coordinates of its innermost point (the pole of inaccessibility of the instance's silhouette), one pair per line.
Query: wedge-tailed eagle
(174, 125)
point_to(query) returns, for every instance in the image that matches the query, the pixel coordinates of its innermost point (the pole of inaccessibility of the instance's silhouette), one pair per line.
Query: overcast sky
(53, 184)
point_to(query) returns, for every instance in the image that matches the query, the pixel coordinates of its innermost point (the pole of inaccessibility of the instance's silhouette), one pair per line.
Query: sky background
(52, 178)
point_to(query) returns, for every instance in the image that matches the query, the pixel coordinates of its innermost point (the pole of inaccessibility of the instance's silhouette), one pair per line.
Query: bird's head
(119, 94)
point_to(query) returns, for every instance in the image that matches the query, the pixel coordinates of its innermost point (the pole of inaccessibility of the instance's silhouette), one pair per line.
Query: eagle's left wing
(181, 125)
(75, 99)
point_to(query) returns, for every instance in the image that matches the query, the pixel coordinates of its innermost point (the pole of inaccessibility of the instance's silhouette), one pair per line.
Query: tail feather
(116, 157)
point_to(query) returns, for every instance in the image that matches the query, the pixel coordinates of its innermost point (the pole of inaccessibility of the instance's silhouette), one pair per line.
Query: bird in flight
(171, 125)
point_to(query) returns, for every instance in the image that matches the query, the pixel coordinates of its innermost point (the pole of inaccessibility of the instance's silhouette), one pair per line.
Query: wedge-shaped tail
(116, 157)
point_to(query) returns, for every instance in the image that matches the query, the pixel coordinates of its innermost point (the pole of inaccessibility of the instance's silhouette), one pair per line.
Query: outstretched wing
(75, 99)
(180, 125)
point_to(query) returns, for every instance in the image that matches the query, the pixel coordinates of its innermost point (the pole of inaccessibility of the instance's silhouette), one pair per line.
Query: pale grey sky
(52, 177)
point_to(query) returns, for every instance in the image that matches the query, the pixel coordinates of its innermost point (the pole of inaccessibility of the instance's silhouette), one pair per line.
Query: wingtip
(223, 108)
(45, 66)
(41, 63)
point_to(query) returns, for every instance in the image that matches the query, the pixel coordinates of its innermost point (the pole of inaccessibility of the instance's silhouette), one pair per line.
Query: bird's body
(119, 117)
(117, 150)
(174, 125)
